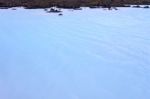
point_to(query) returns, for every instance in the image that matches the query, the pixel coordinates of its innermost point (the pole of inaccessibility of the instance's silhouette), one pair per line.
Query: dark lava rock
(77, 8)
(114, 8)
(92, 7)
(53, 10)
(146, 7)
(4, 7)
(70, 4)
(60, 14)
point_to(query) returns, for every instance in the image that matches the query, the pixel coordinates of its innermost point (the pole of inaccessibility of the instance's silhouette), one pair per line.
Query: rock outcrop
(69, 3)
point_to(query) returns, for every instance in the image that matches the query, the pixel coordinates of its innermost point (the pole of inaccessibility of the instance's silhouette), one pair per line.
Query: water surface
(87, 54)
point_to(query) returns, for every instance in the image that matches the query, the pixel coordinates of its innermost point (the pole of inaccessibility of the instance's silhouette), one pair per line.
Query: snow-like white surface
(87, 54)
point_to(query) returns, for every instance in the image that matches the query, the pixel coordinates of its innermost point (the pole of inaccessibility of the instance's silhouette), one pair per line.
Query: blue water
(87, 54)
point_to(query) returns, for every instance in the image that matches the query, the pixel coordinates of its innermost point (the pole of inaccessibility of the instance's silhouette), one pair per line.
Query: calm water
(87, 54)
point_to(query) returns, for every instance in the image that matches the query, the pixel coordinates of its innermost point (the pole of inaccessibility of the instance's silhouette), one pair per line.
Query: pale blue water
(88, 54)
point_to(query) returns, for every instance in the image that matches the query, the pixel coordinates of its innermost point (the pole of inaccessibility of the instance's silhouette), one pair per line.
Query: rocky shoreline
(70, 4)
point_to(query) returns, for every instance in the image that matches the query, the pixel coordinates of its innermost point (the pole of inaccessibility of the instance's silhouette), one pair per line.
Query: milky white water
(87, 54)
